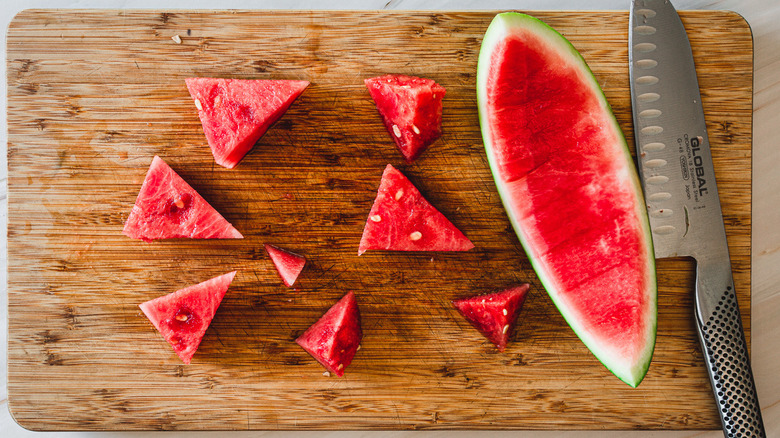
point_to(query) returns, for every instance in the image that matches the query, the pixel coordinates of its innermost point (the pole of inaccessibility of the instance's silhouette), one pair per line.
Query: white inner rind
(502, 26)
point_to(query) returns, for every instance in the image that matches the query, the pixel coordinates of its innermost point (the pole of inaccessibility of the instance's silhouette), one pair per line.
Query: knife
(678, 180)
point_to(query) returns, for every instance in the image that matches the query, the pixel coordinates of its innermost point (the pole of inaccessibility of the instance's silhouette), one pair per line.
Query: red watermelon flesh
(335, 338)
(494, 315)
(288, 264)
(168, 208)
(566, 177)
(411, 109)
(235, 113)
(182, 317)
(402, 220)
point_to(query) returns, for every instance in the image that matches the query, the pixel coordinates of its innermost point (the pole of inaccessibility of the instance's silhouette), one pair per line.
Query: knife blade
(678, 180)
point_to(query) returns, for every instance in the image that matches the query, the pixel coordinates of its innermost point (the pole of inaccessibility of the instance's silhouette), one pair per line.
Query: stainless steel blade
(678, 179)
(676, 165)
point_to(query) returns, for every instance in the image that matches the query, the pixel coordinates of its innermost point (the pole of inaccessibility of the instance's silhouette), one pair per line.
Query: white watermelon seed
(341, 365)
(399, 194)
(358, 347)
(416, 129)
(506, 327)
(176, 39)
(396, 131)
(178, 202)
(376, 218)
(505, 312)
(416, 235)
(198, 105)
(181, 318)
(326, 374)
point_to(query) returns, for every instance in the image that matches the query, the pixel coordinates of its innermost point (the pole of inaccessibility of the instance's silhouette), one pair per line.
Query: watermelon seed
(504, 311)
(326, 374)
(198, 105)
(376, 218)
(506, 327)
(181, 317)
(399, 194)
(396, 131)
(176, 39)
(415, 236)
(179, 202)
(358, 347)
(341, 366)
(416, 129)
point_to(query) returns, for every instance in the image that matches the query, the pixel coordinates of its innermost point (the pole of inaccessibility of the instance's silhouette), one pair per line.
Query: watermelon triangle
(168, 208)
(335, 338)
(411, 109)
(494, 315)
(402, 220)
(235, 113)
(288, 264)
(182, 317)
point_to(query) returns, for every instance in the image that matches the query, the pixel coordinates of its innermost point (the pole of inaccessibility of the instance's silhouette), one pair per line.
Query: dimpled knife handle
(726, 355)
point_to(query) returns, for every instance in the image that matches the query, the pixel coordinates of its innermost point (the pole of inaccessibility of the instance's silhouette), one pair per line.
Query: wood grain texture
(93, 95)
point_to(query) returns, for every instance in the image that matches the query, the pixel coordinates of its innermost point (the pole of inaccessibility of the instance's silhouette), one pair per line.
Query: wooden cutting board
(94, 95)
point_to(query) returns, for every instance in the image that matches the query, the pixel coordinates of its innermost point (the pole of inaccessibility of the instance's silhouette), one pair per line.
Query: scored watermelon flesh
(494, 315)
(402, 220)
(334, 339)
(235, 113)
(564, 173)
(182, 317)
(411, 110)
(168, 208)
(288, 264)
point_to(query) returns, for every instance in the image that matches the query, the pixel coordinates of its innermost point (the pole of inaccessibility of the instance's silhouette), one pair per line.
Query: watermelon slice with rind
(335, 338)
(495, 314)
(411, 109)
(568, 183)
(402, 220)
(288, 264)
(235, 113)
(182, 317)
(169, 208)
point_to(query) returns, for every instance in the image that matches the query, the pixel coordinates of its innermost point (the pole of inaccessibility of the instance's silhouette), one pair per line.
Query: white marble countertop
(764, 18)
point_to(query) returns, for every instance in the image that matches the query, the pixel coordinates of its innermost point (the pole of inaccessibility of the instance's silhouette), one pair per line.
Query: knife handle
(726, 356)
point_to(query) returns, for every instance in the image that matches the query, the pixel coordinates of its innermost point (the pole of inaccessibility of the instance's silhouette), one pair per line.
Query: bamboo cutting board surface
(94, 95)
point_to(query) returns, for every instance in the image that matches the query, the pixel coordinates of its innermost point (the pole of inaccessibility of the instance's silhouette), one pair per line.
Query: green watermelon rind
(498, 29)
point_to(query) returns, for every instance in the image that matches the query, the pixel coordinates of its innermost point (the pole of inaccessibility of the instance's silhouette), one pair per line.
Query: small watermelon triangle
(402, 220)
(494, 315)
(335, 338)
(288, 264)
(235, 113)
(182, 317)
(411, 109)
(168, 208)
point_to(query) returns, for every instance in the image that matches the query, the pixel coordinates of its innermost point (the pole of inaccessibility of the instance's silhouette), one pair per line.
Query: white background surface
(764, 18)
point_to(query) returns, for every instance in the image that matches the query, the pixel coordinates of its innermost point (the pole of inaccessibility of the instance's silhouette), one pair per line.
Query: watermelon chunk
(168, 208)
(570, 188)
(495, 314)
(288, 264)
(235, 113)
(334, 339)
(411, 109)
(182, 317)
(402, 220)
